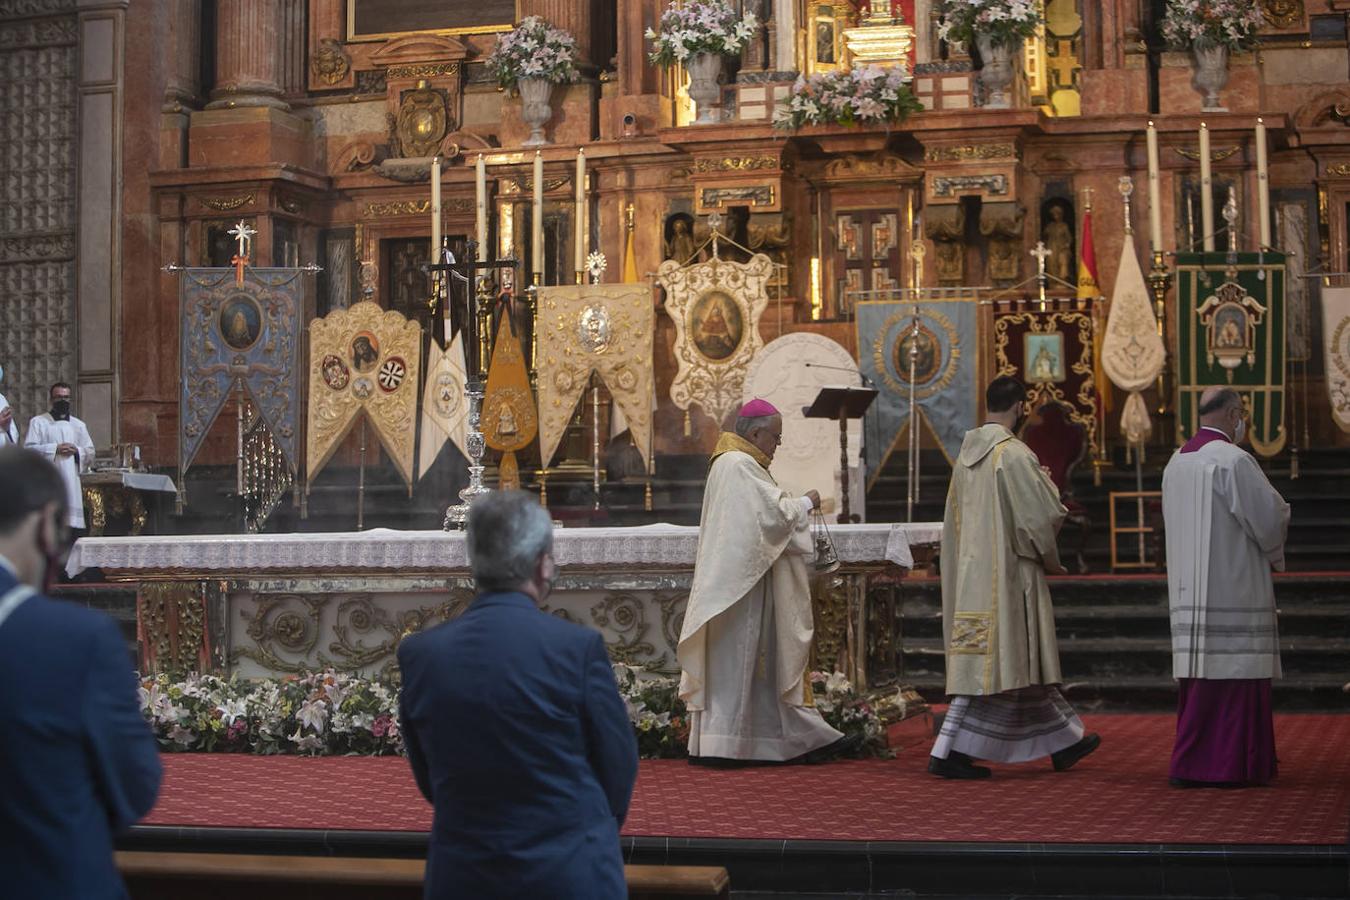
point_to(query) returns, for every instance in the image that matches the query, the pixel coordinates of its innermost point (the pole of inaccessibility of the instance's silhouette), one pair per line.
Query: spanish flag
(1088, 290)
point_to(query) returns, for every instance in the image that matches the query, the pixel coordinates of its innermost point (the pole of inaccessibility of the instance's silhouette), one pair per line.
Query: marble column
(249, 66)
(571, 15)
(182, 87)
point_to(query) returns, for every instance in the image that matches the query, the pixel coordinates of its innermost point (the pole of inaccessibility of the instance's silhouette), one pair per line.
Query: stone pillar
(248, 54)
(571, 15)
(182, 87)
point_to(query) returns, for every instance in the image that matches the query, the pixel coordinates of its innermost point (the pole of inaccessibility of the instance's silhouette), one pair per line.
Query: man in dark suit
(77, 761)
(515, 729)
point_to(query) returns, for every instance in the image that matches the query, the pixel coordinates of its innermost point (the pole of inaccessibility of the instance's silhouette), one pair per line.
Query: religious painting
(240, 321)
(365, 351)
(377, 20)
(716, 325)
(1046, 355)
(1231, 331)
(824, 38)
(335, 372)
(716, 307)
(1052, 349)
(679, 243)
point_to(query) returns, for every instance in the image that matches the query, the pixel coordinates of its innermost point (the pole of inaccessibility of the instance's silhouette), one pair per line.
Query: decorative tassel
(688, 427)
(543, 489)
(647, 499)
(508, 472)
(1293, 464)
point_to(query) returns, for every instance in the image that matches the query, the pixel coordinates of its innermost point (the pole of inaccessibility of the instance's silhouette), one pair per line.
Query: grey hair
(508, 533)
(747, 424)
(1222, 399)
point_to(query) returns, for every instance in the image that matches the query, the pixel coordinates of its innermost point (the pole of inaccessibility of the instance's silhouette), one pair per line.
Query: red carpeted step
(1118, 795)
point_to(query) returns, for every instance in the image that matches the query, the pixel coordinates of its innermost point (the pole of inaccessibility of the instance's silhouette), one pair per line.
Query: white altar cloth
(391, 551)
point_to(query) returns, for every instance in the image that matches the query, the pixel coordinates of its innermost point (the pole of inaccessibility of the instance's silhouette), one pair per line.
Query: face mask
(1239, 431)
(61, 409)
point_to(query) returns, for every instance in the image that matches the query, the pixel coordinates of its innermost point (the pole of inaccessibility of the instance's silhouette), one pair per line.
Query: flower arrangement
(867, 95)
(334, 714)
(1212, 23)
(1003, 22)
(700, 26)
(534, 49)
(324, 713)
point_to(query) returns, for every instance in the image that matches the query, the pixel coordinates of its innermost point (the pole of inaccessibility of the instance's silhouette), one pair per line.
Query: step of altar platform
(1115, 641)
(1319, 529)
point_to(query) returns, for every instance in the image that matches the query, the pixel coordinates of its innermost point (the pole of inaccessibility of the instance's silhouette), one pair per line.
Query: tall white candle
(436, 209)
(480, 207)
(1206, 194)
(1154, 192)
(1262, 184)
(537, 218)
(580, 212)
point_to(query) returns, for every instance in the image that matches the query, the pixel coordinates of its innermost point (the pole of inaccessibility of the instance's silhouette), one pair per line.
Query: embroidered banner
(716, 306)
(1132, 350)
(243, 334)
(942, 349)
(445, 410)
(1230, 330)
(604, 328)
(510, 418)
(1336, 342)
(363, 360)
(1051, 351)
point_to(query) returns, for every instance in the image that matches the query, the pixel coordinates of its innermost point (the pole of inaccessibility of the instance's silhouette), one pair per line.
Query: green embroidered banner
(1231, 330)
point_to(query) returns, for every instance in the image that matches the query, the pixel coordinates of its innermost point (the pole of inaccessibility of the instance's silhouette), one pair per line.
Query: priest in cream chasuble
(746, 639)
(998, 626)
(1226, 528)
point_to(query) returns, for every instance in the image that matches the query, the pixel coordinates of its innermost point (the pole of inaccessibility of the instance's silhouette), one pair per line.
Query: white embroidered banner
(1132, 350)
(445, 411)
(1336, 342)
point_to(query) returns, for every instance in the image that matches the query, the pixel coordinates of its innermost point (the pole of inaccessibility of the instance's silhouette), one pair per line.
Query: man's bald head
(1221, 408)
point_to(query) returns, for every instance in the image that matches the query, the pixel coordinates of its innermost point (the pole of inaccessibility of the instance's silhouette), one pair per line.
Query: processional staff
(1041, 252)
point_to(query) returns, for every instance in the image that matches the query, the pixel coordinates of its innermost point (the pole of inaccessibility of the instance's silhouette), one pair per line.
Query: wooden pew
(207, 876)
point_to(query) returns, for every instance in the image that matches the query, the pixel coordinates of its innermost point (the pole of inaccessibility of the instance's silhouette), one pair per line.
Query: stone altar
(257, 605)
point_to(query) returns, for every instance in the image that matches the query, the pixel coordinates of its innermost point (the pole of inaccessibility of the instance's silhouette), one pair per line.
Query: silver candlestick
(457, 516)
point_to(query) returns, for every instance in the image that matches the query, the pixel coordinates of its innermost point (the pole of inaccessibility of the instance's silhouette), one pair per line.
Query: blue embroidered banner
(936, 359)
(245, 334)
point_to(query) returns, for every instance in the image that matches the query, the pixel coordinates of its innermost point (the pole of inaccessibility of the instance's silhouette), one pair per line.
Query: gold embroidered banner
(1336, 338)
(445, 410)
(1132, 350)
(510, 420)
(604, 328)
(363, 360)
(716, 306)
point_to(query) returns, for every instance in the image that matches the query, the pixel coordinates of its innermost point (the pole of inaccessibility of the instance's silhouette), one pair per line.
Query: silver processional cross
(1041, 252)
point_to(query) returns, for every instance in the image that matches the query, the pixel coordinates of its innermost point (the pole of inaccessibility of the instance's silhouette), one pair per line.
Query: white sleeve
(87, 449)
(807, 505)
(37, 438)
(1260, 508)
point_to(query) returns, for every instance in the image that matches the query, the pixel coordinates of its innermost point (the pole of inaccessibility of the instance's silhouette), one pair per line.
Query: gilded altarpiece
(716, 307)
(240, 335)
(363, 361)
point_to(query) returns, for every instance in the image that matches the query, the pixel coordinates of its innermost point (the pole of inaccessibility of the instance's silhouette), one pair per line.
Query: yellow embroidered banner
(716, 306)
(363, 360)
(604, 328)
(510, 420)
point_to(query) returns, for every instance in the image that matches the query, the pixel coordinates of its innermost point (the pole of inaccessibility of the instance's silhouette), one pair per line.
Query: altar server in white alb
(1226, 528)
(746, 639)
(9, 429)
(65, 440)
(998, 543)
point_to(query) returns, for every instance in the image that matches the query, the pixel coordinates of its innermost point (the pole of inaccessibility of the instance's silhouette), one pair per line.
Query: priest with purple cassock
(1226, 528)
(746, 639)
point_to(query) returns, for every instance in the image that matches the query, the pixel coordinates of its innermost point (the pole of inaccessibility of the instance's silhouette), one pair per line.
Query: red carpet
(1118, 795)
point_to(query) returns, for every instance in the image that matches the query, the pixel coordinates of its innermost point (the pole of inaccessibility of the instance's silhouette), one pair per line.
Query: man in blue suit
(77, 761)
(515, 729)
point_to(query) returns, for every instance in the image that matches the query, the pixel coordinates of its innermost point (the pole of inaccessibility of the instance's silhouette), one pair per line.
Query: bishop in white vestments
(65, 440)
(1226, 528)
(998, 543)
(746, 639)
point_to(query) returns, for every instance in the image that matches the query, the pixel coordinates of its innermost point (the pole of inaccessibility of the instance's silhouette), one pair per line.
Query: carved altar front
(257, 605)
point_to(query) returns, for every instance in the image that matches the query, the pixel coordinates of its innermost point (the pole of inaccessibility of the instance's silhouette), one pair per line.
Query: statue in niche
(1057, 234)
(679, 242)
